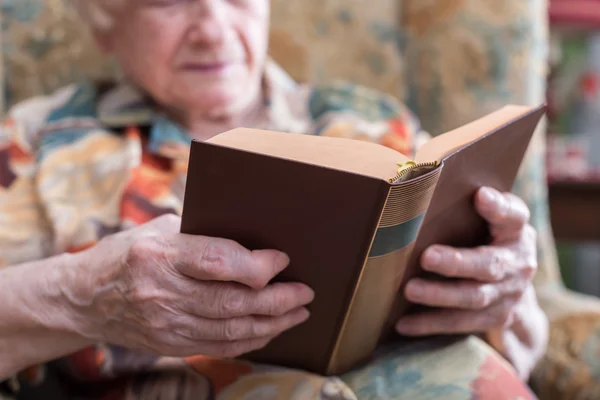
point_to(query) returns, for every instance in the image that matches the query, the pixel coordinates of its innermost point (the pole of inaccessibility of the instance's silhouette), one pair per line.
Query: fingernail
(488, 195)
(434, 257)
(404, 327)
(310, 293)
(413, 290)
(282, 260)
(305, 315)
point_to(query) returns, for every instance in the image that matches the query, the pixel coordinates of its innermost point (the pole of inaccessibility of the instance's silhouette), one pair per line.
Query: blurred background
(573, 157)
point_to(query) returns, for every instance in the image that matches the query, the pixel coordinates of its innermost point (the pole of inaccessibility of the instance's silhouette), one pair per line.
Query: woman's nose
(208, 20)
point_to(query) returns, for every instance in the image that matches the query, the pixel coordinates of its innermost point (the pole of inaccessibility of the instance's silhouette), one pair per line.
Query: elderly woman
(101, 297)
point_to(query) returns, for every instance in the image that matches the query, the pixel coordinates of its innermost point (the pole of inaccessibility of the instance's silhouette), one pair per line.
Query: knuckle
(232, 330)
(150, 320)
(476, 298)
(453, 262)
(276, 305)
(530, 268)
(157, 323)
(141, 248)
(496, 265)
(213, 258)
(232, 303)
(493, 267)
(168, 219)
(484, 297)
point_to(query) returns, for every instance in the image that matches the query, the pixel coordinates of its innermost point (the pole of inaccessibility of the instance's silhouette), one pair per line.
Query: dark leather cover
(451, 219)
(322, 218)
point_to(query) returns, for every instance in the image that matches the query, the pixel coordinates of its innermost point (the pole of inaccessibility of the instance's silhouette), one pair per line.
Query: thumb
(506, 213)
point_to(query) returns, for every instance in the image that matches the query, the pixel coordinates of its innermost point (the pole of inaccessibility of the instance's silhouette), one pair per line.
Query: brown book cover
(353, 217)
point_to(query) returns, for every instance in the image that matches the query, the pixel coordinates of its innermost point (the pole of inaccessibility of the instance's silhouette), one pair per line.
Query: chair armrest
(560, 302)
(570, 367)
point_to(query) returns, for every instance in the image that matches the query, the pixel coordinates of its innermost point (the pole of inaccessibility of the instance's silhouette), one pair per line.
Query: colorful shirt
(93, 159)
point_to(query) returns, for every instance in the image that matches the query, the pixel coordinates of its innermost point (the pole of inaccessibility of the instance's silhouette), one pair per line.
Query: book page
(445, 144)
(354, 156)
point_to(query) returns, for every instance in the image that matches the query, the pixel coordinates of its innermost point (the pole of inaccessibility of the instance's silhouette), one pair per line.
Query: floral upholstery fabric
(307, 38)
(45, 46)
(465, 58)
(571, 366)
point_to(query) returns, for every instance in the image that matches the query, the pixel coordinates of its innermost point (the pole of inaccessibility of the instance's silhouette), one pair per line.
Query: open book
(353, 216)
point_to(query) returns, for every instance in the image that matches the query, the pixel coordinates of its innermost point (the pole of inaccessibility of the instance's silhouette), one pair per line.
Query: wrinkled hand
(492, 280)
(168, 293)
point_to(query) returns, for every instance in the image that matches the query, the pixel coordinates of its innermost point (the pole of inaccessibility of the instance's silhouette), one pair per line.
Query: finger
(484, 263)
(170, 343)
(452, 321)
(222, 349)
(467, 294)
(228, 300)
(506, 213)
(241, 328)
(235, 349)
(216, 259)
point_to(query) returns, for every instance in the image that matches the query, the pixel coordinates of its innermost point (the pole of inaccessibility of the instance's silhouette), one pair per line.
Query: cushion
(571, 367)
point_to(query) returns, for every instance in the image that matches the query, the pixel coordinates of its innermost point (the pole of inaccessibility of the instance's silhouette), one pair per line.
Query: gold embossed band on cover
(390, 250)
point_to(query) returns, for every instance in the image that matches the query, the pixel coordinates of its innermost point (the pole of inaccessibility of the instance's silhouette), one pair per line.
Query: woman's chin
(215, 102)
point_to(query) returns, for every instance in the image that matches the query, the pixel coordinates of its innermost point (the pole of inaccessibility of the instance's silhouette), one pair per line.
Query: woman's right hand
(154, 289)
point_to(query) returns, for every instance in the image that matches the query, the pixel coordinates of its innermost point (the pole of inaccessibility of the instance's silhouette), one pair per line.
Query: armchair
(450, 60)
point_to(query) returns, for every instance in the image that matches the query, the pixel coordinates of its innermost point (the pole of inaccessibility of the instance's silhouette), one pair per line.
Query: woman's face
(192, 55)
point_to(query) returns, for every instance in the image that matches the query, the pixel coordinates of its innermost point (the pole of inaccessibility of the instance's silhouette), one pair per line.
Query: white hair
(98, 14)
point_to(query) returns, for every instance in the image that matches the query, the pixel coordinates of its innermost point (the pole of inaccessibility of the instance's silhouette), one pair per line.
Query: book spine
(383, 269)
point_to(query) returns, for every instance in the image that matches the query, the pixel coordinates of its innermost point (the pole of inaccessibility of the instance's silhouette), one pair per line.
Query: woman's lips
(215, 68)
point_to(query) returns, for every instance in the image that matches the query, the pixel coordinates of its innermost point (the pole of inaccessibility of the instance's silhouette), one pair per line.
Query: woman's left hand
(494, 291)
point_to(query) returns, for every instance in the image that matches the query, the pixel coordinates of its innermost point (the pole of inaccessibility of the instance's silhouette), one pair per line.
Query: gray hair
(97, 14)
